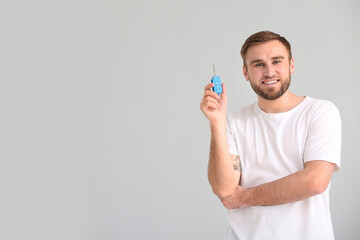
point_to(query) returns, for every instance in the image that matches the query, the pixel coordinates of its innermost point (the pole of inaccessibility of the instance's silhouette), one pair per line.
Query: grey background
(101, 134)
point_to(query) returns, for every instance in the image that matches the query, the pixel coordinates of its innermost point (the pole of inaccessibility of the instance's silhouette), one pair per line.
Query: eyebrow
(273, 58)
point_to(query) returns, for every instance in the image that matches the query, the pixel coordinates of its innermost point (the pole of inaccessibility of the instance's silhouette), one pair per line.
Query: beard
(270, 93)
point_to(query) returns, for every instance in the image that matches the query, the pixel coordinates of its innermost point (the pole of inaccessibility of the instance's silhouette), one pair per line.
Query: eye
(276, 61)
(259, 65)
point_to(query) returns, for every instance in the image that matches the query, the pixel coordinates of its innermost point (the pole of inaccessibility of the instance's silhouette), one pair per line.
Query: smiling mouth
(270, 82)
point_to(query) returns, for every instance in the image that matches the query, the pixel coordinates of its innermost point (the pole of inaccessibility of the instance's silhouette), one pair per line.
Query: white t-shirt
(272, 146)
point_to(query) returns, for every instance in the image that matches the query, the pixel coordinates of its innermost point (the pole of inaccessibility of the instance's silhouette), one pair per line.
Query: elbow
(319, 175)
(318, 186)
(222, 193)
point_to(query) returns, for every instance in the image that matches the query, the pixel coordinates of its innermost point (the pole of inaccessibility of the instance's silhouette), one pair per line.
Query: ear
(246, 74)
(292, 66)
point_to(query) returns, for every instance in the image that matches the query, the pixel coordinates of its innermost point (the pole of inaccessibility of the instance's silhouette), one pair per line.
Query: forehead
(265, 51)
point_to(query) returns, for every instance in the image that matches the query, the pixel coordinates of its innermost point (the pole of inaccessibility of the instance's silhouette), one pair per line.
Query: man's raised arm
(224, 168)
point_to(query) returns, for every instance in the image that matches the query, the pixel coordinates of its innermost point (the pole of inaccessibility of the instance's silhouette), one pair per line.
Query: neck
(283, 104)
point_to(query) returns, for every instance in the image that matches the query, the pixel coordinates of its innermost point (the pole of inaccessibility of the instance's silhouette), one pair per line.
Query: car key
(216, 80)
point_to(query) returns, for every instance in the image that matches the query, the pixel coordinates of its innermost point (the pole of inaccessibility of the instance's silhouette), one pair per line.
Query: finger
(225, 203)
(223, 94)
(209, 106)
(211, 100)
(212, 94)
(223, 88)
(209, 86)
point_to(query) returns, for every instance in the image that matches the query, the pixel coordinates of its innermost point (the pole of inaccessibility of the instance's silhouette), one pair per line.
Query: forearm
(300, 185)
(221, 169)
(292, 188)
(222, 177)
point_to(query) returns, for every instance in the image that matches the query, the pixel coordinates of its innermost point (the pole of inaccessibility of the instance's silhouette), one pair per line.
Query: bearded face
(268, 87)
(268, 69)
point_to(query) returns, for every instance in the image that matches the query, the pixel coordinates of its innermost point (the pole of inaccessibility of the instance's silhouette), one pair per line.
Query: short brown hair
(261, 37)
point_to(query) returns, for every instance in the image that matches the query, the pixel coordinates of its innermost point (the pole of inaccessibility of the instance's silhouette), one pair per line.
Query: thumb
(223, 94)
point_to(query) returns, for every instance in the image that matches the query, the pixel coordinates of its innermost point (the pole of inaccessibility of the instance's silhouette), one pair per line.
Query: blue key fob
(217, 88)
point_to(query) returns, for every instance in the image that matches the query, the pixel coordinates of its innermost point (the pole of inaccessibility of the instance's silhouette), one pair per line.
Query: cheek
(284, 69)
(257, 73)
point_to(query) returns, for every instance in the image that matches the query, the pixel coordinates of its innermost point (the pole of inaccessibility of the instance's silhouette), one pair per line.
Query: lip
(270, 82)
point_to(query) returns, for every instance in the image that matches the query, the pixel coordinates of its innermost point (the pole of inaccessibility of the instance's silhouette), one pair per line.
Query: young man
(271, 162)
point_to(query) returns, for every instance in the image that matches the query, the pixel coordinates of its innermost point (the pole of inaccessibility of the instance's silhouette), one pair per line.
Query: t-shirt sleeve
(324, 135)
(231, 139)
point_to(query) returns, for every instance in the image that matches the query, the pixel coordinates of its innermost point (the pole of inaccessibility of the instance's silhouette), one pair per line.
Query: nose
(269, 71)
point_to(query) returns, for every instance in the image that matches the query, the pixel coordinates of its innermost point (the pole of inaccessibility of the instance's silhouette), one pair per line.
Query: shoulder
(320, 106)
(323, 114)
(239, 120)
(240, 114)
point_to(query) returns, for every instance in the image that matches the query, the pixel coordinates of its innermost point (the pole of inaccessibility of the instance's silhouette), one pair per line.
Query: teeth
(271, 82)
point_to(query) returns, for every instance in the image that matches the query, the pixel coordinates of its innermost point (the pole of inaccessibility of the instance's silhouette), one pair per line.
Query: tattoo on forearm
(237, 164)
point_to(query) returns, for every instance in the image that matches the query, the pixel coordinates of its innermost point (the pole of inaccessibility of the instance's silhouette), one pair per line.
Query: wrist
(218, 124)
(217, 128)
